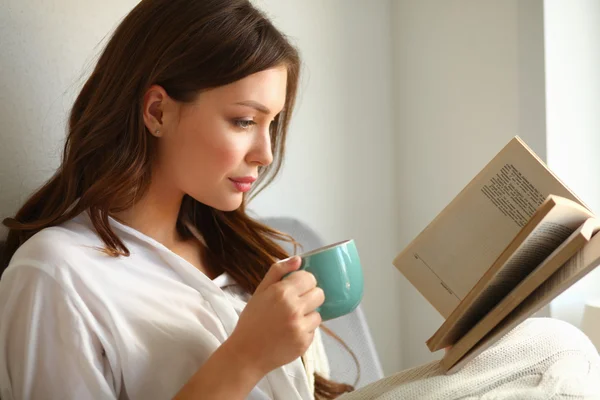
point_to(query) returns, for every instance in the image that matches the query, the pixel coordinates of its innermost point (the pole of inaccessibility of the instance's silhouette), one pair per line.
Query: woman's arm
(227, 375)
(47, 350)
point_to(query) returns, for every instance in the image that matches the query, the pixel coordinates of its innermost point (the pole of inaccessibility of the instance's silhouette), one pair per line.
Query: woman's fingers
(302, 282)
(313, 299)
(313, 320)
(278, 271)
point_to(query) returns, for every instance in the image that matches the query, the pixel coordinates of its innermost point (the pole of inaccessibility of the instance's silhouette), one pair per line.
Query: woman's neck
(155, 214)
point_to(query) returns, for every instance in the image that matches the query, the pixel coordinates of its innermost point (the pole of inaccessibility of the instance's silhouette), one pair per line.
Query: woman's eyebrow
(254, 104)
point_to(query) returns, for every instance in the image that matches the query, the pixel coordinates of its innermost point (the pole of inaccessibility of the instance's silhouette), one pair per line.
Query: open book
(511, 241)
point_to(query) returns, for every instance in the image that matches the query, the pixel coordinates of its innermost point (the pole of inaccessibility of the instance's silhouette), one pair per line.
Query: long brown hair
(185, 46)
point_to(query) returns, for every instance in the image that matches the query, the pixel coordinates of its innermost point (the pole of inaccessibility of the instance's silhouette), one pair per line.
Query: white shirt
(78, 324)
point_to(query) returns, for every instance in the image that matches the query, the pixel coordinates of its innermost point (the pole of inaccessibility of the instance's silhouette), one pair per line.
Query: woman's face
(211, 149)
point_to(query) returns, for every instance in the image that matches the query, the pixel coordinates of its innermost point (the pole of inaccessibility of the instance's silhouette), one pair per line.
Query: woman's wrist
(229, 374)
(240, 355)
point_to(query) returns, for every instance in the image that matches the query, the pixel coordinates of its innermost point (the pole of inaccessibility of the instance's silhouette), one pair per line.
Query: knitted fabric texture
(542, 358)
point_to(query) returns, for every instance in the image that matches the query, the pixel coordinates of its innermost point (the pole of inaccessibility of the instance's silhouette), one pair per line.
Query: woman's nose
(262, 153)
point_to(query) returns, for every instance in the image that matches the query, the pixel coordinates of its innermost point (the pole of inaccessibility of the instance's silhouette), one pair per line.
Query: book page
(578, 266)
(551, 225)
(551, 264)
(546, 237)
(452, 253)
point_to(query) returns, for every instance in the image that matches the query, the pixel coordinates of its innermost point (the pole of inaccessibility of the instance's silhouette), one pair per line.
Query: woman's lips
(243, 184)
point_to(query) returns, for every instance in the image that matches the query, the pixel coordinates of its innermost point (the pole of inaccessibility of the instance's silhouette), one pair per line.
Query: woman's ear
(155, 101)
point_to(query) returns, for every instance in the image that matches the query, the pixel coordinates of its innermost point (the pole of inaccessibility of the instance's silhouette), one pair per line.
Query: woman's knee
(555, 334)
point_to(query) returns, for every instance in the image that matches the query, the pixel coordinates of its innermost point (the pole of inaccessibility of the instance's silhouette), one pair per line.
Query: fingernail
(289, 260)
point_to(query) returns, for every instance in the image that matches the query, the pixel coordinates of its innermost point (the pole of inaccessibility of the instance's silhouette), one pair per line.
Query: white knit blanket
(542, 358)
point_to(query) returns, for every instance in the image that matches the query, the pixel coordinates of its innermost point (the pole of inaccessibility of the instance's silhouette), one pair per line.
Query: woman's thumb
(278, 271)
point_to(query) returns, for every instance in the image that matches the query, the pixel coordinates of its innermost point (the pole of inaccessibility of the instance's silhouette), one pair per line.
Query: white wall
(339, 176)
(468, 76)
(572, 40)
(46, 48)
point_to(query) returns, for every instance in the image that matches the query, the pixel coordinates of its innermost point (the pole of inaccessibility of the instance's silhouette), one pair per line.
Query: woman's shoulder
(55, 247)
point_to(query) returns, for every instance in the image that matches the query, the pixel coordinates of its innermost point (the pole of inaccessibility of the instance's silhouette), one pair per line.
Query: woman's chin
(229, 204)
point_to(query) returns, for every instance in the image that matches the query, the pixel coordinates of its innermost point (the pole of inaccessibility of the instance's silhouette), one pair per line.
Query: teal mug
(338, 272)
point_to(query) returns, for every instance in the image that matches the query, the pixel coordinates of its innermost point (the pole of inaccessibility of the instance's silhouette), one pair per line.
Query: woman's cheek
(229, 159)
(230, 154)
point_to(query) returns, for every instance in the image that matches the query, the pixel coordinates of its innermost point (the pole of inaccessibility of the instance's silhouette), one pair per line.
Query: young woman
(130, 268)
(134, 272)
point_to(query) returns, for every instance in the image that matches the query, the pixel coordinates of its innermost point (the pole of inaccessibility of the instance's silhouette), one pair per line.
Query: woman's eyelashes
(243, 123)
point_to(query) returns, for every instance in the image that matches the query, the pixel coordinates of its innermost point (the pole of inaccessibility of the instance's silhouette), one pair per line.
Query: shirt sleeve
(47, 350)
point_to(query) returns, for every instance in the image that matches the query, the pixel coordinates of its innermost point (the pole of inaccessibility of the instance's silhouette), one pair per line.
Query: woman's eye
(244, 123)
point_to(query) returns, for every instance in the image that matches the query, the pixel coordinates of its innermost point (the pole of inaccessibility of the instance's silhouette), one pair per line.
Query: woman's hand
(277, 325)
(275, 328)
